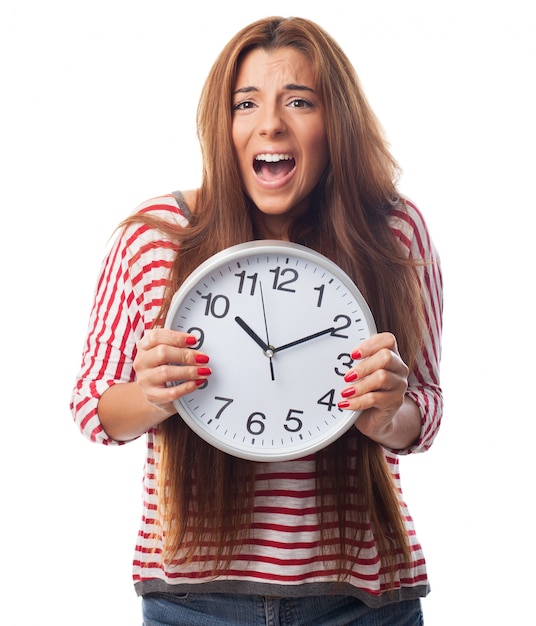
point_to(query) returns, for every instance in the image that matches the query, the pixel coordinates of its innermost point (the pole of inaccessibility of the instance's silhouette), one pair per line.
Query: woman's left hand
(377, 386)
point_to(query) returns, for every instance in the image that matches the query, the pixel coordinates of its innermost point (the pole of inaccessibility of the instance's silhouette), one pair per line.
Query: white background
(97, 108)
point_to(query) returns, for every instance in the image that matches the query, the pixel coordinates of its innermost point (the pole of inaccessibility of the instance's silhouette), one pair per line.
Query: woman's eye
(242, 106)
(300, 103)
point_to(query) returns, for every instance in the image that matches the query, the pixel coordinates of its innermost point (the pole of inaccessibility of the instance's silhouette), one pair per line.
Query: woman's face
(279, 135)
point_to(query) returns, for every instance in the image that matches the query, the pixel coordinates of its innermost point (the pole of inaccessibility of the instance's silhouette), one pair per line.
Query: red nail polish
(204, 371)
(200, 382)
(201, 358)
(356, 355)
(191, 340)
(348, 392)
(343, 404)
(350, 377)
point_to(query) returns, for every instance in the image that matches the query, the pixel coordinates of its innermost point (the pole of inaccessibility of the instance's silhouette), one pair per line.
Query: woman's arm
(110, 401)
(402, 410)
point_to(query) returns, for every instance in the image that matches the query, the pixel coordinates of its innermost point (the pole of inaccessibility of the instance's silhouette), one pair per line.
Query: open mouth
(273, 166)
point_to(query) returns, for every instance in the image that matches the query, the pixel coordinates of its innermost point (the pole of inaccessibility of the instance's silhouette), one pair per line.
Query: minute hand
(304, 339)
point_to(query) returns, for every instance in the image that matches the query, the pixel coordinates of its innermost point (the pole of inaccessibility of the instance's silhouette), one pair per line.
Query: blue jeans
(217, 609)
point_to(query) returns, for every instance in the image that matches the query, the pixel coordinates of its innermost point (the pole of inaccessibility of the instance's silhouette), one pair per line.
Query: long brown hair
(206, 497)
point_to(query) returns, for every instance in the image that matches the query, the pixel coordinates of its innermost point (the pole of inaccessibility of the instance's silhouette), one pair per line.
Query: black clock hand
(266, 348)
(304, 339)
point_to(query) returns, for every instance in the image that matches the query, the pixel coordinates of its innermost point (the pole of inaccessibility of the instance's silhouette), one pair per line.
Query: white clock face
(279, 323)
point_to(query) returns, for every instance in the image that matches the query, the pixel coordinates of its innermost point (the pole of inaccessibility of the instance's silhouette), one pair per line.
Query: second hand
(266, 329)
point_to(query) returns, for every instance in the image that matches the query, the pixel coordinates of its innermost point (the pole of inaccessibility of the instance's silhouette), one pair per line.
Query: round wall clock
(279, 322)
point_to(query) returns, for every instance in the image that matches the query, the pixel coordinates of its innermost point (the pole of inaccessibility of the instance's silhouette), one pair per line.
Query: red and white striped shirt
(283, 554)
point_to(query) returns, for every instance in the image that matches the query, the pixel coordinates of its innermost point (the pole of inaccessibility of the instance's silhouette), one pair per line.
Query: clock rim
(230, 254)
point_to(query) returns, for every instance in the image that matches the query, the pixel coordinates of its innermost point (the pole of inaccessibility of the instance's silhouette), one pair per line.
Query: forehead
(282, 66)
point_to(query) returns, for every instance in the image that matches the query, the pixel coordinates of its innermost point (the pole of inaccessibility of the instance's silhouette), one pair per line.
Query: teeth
(273, 158)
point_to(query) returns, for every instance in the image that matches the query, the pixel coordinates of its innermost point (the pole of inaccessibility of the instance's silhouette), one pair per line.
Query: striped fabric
(282, 555)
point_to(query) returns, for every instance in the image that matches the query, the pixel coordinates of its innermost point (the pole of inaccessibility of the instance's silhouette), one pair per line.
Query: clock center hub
(269, 352)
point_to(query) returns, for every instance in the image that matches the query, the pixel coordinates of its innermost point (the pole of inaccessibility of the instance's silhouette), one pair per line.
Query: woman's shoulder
(159, 216)
(151, 229)
(174, 207)
(189, 198)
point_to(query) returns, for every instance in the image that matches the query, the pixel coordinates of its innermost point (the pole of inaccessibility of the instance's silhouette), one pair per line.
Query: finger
(159, 348)
(167, 383)
(166, 336)
(175, 374)
(380, 380)
(380, 400)
(383, 361)
(374, 344)
(360, 398)
(163, 396)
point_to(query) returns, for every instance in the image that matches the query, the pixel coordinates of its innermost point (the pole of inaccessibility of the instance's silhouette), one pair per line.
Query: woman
(296, 154)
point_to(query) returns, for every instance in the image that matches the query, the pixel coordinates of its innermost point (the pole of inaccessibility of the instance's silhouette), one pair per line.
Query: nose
(271, 122)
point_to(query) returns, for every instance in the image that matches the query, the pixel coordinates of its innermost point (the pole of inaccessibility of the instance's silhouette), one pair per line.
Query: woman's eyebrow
(296, 87)
(248, 89)
(289, 87)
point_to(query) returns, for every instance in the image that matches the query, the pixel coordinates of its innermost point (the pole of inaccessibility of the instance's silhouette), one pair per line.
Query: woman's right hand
(127, 410)
(164, 357)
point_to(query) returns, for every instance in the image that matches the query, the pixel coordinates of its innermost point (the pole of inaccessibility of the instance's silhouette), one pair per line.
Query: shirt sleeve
(424, 381)
(128, 295)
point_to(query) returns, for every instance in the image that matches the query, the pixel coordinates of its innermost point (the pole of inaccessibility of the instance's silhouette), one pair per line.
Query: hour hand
(266, 348)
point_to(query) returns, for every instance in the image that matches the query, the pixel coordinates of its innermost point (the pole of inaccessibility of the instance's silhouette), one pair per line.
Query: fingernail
(343, 404)
(191, 340)
(201, 358)
(200, 382)
(348, 392)
(204, 371)
(356, 355)
(350, 377)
